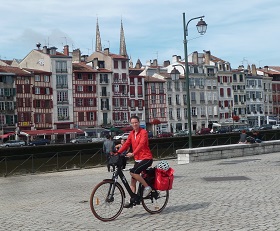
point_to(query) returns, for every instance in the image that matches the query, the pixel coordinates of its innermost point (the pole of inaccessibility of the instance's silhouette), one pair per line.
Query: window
(37, 78)
(37, 103)
(162, 112)
(80, 88)
(193, 96)
(154, 113)
(194, 113)
(161, 89)
(61, 66)
(177, 99)
(153, 88)
(62, 113)
(37, 90)
(169, 86)
(61, 80)
(47, 91)
(79, 76)
(123, 64)
(62, 96)
(169, 100)
(202, 96)
(79, 102)
(90, 76)
(46, 78)
(161, 99)
(170, 114)
(116, 64)
(178, 113)
(140, 103)
(153, 99)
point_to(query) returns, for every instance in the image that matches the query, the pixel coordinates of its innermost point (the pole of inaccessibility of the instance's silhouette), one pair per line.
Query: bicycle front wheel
(107, 203)
(156, 201)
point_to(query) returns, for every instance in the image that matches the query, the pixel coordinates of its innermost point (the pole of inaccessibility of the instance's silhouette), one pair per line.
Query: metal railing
(88, 158)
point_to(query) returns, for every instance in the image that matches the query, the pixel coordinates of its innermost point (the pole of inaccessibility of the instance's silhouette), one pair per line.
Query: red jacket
(140, 145)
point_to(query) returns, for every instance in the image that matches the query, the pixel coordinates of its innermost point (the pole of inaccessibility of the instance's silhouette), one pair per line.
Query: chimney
(76, 55)
(166, 63)
(66, 50)
(45, 49)
(254, 70)
(84, 58)
(265, 68)
(53, 50)
(155, 62)
(240, 67)
(174, 59)
(95, 63)
(207, 57)
(195, 57)
(106, 51)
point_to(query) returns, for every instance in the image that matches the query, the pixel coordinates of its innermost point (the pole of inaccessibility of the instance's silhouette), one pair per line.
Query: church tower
(122, 43)
(98, 46)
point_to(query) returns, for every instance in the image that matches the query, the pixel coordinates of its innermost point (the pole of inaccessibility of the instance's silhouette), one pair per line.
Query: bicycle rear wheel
(156, 201)
(105, 204)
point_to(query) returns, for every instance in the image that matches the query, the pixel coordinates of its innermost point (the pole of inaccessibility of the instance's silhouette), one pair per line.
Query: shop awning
(51, 132)
(6, 135)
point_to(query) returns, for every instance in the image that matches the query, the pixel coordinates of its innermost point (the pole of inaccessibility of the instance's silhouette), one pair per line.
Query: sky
(240, 32)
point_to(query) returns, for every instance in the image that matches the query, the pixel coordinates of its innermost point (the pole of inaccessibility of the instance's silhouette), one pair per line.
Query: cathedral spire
(122, 42)
(98, 46)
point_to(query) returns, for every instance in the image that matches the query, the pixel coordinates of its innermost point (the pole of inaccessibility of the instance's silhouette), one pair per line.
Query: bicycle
(108, 196)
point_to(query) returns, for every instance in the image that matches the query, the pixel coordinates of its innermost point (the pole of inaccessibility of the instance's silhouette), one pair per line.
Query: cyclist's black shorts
(141, 166)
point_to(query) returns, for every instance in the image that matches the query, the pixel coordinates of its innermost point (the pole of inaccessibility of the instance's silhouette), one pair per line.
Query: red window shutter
(94, 102)
(42, 103)
(140, 91)
(226, 103)
(219, 79)
(136, 103)
(34, 103)
(94, 88)
(115, 64)
(42, 90)
(132, 90)
(33, 90)
(229, 92)
(221, 92)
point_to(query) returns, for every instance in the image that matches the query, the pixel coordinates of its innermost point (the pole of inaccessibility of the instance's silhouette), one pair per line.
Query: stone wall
(185, 156)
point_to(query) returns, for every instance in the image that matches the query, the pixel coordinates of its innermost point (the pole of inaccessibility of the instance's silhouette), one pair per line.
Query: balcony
(62, 118)
(61, 86)
(104, 94)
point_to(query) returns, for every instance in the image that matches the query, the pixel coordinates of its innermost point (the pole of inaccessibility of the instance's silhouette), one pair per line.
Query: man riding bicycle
(138, 139)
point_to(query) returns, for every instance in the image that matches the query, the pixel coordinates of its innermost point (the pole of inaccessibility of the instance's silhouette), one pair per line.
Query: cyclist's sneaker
(128, 205)
(147, 191)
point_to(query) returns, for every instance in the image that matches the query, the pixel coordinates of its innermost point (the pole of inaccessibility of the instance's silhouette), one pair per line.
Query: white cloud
(236, 29)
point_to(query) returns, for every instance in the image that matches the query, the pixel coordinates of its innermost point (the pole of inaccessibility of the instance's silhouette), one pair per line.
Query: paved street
(229, 194)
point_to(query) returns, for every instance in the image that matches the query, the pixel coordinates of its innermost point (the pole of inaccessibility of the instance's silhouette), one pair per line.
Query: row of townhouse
(54, 90)
(217, 93)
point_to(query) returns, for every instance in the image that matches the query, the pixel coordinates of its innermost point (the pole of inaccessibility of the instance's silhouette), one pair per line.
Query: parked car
(39, 142)
(203, 131)
(254, 128)
(96, 140)
(181, 133)
(164, 134)
(13, 143)
(81, 139)
(276, 126)
(222, 130)
(121, 136)
(240, 129)
(266, 127)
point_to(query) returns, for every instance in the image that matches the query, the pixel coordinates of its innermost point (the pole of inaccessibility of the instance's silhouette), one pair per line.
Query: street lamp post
(201, 28)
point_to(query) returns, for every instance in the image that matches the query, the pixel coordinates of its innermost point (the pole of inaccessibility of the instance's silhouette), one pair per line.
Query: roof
(82, 67)
(17, 71)
(51, 132)
(153, 79)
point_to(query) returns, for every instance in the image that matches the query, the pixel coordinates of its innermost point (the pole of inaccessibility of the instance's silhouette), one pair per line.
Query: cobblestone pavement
(229, 194)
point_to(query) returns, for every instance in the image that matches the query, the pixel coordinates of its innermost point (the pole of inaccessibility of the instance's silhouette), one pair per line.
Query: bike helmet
(163, 165)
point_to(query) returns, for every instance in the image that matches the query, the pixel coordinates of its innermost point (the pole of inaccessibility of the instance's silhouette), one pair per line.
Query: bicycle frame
(116, 174)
